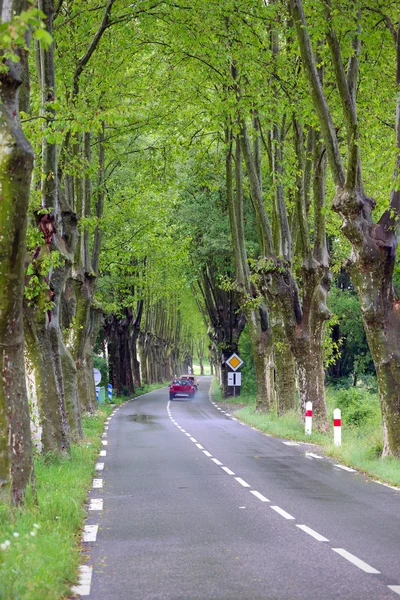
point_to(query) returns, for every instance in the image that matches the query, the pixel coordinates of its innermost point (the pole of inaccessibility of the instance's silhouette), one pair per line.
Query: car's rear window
(181, 382)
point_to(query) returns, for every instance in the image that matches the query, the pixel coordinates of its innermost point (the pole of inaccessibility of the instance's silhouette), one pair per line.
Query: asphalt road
(197, 506)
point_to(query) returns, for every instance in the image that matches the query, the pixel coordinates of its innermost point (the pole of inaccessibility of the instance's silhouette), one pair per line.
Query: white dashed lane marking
(103, 453)
(104, 442)
(282, 512)
(97, 483)
(314, 534)
(346, 468)
(85, 579)
(200, 447)
(99, 466)
(96, 504)
(217, 462)
(193, 439)
(395, 589)
(207, 453)
(312, 455)
(90, 533)
(259, 496)
(356, 561)
(242, 482)
(227, 470)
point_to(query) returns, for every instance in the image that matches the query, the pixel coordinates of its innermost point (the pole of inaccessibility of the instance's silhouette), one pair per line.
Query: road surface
(196, 505)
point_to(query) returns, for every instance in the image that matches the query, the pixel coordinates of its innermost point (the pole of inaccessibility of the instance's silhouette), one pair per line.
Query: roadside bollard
(337, 427)
(308, 425)
(109, 388)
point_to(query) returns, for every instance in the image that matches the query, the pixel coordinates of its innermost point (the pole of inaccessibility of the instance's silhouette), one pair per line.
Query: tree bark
(16, 164)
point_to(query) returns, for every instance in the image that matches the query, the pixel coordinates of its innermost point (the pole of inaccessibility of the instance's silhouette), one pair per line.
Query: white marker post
(308, 425)
(337, 427)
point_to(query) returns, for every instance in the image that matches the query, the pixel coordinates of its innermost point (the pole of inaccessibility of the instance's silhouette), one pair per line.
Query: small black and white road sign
(234, 379)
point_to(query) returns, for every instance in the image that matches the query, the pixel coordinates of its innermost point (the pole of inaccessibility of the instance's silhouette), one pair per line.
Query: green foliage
(13, 32)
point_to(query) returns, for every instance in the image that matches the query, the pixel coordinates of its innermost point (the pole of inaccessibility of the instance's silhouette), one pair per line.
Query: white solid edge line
(96, 504)
(356, 561)
(85, 579)
(99, 466)
(313, 533)
(200, 447)
(259, 496)
(346, 468)
(395, 589)
(217, 462)
(207, 453)
(242, 482)
(227, 470)
(392, 487)
(282, 512)
(90, 533)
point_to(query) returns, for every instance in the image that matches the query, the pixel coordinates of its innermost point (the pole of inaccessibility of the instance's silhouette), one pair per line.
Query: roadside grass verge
(362, 437)
(43, 538)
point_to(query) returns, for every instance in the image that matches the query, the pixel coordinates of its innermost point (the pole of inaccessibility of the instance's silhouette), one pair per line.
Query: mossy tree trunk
(16, 164)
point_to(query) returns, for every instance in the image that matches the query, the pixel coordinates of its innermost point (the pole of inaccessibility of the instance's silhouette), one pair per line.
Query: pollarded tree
(374, 244)
(16, 164)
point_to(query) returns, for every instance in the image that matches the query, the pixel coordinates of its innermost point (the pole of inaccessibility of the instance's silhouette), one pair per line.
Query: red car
(181, 387)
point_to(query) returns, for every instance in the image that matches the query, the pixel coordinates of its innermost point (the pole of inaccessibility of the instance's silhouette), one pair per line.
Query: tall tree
(374, 245)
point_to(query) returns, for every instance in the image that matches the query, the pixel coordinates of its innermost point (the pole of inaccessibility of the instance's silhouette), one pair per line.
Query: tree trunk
(16, 164)
(285, 369)
(45, 363)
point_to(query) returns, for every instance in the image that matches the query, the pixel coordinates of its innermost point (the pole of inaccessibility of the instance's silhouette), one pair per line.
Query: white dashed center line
(200, 447)
(314, 534)
(207, 453)
(395, 589)
(356, 561)
(217, 462)
(259, 496)
(282, 512)
(242, 482)
(227, 470)
(193, 439)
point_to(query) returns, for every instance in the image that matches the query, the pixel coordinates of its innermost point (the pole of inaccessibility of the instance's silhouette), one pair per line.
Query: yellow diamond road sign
(234, 362)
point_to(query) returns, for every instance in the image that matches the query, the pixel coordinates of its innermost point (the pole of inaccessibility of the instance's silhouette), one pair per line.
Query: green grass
(362, 438)
(41, 561)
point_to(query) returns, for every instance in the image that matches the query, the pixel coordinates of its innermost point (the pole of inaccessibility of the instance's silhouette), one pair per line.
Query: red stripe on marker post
(337, 427)
(308, 419)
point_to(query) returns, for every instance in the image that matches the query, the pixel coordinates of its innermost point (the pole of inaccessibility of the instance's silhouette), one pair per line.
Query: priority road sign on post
(109, 387)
